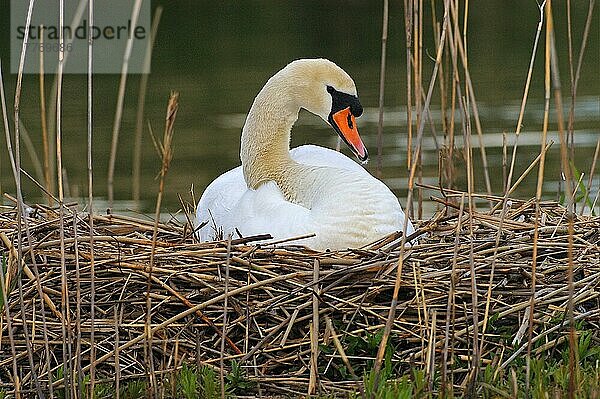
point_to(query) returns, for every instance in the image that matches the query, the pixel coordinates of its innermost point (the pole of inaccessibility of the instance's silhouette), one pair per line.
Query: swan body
(309, 189)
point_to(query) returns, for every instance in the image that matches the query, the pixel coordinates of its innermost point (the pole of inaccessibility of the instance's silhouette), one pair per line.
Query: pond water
(219, 54)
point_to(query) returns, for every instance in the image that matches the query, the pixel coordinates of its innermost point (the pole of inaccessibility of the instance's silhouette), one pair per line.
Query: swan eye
(350, 124)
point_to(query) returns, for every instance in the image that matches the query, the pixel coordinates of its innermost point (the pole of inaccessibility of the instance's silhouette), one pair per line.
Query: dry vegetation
(274, 293)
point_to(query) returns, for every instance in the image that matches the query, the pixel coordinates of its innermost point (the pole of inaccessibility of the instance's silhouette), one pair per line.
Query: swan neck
(265, 140)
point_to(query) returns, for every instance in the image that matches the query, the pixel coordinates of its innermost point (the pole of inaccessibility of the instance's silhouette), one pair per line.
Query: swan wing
(228, 206)
(320, 156)
(229, 193)
(217, 202)
(265, 210)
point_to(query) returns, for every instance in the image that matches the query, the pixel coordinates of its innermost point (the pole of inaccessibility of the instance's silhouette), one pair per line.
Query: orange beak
(344, 123)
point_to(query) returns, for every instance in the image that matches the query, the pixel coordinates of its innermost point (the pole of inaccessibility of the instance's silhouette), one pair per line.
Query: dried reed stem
(30, 148)
(471, 93)
(16, 165)
(538, 195)
(166, 150)
(586, 198)
(65, 308)
(51, 119)
(314, 333)
(117, 357)
(569, 197)
(225, 309)
(394, 303)
(139, 123)
(120, 101)
(3, 285)
(575, 77)
(90, 205)
(517, 132)
(11, 338)
(384, 35)
(526, 93)
(48, 176)
(408, 4)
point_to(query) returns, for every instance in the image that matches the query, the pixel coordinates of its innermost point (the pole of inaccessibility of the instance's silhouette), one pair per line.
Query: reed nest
(275, 292)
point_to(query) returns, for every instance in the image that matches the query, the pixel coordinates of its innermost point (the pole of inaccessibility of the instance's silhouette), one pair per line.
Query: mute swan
(309, 189)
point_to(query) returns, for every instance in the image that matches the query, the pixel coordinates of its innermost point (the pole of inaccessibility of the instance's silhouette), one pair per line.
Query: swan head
(326, 90)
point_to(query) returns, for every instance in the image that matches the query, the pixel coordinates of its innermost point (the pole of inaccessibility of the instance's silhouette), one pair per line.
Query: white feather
(353, 207)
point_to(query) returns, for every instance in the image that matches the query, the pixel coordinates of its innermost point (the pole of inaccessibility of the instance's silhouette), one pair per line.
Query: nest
(287, 311)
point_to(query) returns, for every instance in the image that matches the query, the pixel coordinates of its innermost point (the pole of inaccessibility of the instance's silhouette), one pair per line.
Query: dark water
(219, 54)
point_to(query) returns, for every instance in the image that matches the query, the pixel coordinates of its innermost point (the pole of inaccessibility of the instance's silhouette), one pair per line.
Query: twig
(314, 333)
(223, 333)
(588, 190)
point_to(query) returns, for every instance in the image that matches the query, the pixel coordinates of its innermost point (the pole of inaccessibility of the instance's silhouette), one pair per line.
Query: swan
(309, 189)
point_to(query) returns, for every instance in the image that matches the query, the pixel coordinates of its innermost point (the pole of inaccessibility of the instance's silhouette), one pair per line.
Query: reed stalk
(569, 198)
(476, 356)
(504, 203)
(394, 303)
(225, 309)
(504, 161)
(526, 93)
(44, 126)
(90, 204)
(21, 215)
(451, 305)
(470, 91)
(445, 172)
(166, 152)
(538, 194)
(590, 183)
(120, 103)
(51, 114)
(384, 35)
(4, 287)
(77, 367)
(15, 378)
(139, 121)
(314, 332)
(570, 126)
(408, 21)
(30, 148)
(65, 306)
(576, 75)
(117, 358)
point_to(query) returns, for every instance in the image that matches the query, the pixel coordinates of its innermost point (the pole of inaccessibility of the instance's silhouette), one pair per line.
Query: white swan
(309, 189)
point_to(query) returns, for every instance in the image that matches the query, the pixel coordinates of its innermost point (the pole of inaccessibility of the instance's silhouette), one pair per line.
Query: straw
(276, 288)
